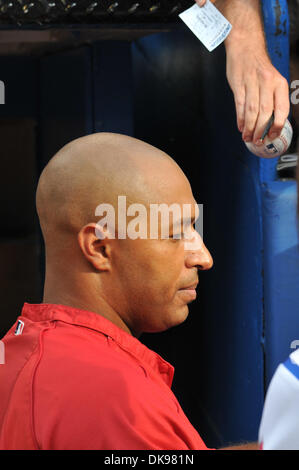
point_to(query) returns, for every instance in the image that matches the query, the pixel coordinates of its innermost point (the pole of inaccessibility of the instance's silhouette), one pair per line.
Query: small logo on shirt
(2, 353)
(19, 327)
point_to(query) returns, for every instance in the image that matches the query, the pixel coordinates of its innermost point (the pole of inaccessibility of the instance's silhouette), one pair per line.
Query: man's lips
(190, 291)
(191, 287)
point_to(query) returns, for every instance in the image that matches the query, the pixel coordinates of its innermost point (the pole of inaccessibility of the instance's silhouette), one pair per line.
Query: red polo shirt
(74, 380)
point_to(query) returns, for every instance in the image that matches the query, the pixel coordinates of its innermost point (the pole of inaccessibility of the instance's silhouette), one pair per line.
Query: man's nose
(198, 256)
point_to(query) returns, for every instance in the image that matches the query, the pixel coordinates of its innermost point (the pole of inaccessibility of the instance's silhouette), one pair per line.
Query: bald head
(97, 169)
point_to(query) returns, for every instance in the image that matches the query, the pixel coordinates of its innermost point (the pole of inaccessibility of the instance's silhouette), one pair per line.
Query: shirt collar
(94, 321)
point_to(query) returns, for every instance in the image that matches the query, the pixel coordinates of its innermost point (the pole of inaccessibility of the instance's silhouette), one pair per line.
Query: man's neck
(99, 306)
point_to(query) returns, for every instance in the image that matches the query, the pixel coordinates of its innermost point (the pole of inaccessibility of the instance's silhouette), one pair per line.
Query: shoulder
(292, 365)
(279, 428)
(73, 355)
(285, 382)
(89, 393)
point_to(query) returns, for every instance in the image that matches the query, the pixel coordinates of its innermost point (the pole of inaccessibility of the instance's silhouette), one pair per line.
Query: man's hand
(245, 446)
(201, 3)
(258, 88)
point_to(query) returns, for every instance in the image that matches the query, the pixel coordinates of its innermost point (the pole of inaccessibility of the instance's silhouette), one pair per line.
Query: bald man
(76, 376)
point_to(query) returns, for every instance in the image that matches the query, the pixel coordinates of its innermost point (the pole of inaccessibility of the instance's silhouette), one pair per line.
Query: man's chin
(173, 319)
(178, 317)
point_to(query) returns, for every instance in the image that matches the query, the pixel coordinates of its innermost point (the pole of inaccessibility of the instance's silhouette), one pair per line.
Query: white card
(207, 23)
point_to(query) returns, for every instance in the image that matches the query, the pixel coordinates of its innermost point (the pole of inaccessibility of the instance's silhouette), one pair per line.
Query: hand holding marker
(273, 148)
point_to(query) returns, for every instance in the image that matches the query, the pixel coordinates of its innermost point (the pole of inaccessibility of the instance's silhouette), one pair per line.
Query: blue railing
(277, 27)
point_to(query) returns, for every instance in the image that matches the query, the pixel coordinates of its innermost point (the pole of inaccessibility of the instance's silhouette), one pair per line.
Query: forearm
(246, 19)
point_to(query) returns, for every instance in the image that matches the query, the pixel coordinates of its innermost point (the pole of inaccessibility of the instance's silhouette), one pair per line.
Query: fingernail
(247, 138)
(258, 142)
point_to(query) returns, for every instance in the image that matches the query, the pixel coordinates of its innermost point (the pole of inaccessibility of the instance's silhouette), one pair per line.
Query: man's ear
(96, 249)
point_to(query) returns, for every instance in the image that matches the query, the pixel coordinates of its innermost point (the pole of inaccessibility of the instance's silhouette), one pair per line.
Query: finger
(239, 96)
(281, 109)
(251, 111)
(201, 3)
(265, 113)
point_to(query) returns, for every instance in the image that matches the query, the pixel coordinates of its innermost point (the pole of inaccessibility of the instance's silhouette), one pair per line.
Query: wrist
(245, 41)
